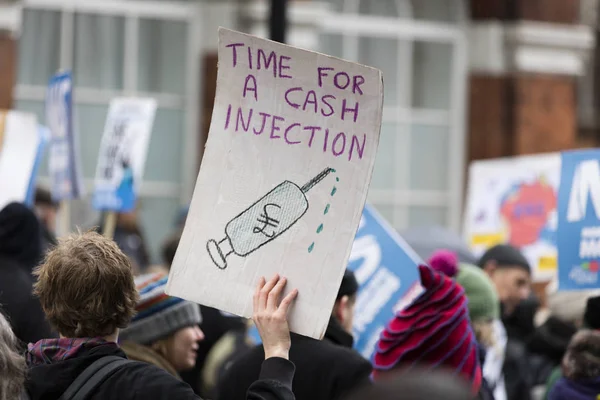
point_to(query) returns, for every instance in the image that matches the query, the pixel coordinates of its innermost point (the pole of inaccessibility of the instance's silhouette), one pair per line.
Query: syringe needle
(310, 184)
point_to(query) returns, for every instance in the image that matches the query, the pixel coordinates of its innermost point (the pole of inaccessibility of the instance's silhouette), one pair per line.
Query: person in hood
(164, 332)
(20, 250)
(326, 369)
(434, 332)
(580, 369)
(12, 363)
(87, 289)
(46, 210)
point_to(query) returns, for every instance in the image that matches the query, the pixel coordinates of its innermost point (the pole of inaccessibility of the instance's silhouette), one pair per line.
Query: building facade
(463, 80)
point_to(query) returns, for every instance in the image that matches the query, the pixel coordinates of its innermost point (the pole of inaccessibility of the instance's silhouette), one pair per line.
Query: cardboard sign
(387, 271)
(284, 178)
(123, 153)
(64, 164)
(514, 200)
(44, 134)
(19, 141)
(579, 221)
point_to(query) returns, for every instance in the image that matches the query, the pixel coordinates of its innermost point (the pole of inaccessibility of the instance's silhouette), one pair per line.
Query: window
(420, 47)
(114, 50)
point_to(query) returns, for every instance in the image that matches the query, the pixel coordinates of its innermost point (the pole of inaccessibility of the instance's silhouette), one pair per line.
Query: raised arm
(270, 317)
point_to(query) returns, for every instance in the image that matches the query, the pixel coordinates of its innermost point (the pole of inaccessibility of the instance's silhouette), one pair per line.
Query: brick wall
(545, 114)
(8, 54)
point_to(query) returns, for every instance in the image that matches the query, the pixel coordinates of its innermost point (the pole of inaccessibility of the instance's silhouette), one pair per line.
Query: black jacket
(17, 303)
(551, 340)
(141, 381)
(327, 369)
(20, 251)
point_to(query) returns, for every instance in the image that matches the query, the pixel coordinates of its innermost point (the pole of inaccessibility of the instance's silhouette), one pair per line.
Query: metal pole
(278, 20)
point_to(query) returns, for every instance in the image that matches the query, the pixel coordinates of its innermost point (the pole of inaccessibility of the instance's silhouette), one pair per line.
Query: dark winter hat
(158, 314)
(505, 256)
(591, 317)
(20, 235)
(433, 332)
(43, 196)
(349, 285)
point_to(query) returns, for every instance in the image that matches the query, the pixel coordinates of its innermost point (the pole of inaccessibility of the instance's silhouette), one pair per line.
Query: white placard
(123, 153)
(284, 178)
(19, 141)
(514, 200)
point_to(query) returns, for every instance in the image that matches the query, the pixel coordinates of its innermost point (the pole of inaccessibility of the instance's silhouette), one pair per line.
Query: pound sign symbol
(267, 220)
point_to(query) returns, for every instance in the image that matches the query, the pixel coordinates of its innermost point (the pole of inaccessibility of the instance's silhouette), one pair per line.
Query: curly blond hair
(86, 286)
(12, 364)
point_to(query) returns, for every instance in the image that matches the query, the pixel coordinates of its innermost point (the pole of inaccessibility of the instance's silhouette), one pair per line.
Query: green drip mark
(327, 207)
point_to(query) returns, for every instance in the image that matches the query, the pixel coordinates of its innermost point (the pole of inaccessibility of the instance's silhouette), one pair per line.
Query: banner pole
(65, 218)
(110, 224)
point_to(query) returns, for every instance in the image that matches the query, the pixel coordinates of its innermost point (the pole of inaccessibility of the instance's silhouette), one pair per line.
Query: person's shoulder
(146, 381)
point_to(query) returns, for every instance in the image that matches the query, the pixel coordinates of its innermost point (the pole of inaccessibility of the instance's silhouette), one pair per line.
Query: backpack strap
(92, 377)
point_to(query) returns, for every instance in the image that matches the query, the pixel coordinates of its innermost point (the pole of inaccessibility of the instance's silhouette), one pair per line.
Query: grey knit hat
(158, 314)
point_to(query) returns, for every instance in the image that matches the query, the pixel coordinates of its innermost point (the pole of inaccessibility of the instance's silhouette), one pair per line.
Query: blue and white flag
(578, 234)
(64, 166)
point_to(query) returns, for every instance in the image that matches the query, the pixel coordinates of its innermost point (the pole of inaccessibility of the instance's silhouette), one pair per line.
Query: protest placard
(578, 234)
(514, 200)
(44, 134)
(19, 141)
(64, 164)
(123, 151)
(386, 269)
(284, 178)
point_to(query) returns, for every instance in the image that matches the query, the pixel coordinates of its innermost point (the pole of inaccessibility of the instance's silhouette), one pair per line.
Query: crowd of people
(86, 317)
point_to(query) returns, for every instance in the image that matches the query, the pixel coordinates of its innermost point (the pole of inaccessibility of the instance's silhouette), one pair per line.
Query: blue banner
(63, 162)
(387, 271)
(44, 134)
(578, 234)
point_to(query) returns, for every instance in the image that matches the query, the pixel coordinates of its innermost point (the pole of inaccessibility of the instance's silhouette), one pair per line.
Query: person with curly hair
(87, 290)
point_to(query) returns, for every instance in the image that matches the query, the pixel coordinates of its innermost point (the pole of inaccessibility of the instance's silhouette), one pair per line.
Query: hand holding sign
(270, 317)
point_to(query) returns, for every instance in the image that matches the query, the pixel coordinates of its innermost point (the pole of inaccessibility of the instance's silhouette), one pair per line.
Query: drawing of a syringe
(263, 221)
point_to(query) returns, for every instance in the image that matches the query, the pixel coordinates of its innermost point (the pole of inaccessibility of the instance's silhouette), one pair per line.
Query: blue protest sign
(44, 134)
(65, 173)
(386, 269)
(578, 234)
